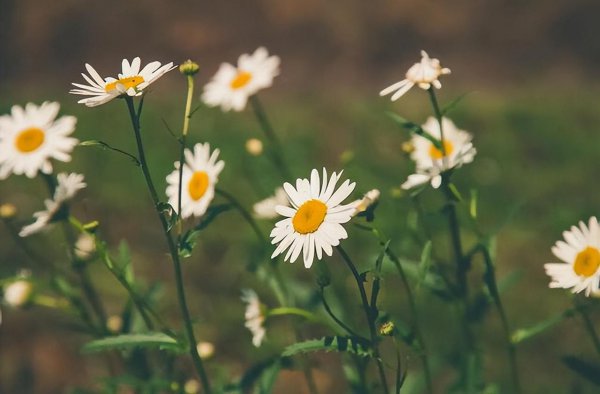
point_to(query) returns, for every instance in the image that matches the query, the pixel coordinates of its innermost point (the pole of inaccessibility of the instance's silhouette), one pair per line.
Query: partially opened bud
(189, 68)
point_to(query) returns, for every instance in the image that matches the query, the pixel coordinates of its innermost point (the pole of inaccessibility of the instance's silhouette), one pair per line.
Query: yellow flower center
(587, 262)
(241, 79)
(436, 153)
(309, 216)
(198, 185)
(129, 82)
(29, 139)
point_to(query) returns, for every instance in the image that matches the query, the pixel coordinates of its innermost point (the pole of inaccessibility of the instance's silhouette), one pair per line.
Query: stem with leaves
(369, 315)
(192, 343)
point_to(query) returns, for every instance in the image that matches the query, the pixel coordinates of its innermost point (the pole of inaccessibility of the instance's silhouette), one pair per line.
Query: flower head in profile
(30, 137)
(255, 316)
(200, 175)
(132, 81)
(580, 253)
(370, 199)
(431, 161)
(313, 222)
(423, 74)
(265, 209)
(231, 86)
(68, 186)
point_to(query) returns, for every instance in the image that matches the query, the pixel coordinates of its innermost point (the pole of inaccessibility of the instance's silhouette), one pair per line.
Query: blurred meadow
(529, 72)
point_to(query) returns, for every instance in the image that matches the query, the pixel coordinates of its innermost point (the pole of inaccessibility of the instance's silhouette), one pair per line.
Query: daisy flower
(68, 186)
(369, 199)
(313, 223)
(423, 74)
(31, 136)
(231, 86)
(265, 209)
(580, 253)
(132, 81)
(255, 316)
(200, 175)
(431, 161)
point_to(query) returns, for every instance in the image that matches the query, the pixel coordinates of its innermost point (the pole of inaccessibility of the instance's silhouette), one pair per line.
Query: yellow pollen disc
(198, 185)
(241, 79)
(587, 262)
(309, 216)
(29, 140)
(436, 153)
(129, 82)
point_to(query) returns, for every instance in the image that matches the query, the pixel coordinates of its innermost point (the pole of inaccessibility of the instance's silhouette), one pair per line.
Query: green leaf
(336, 343)
(586, 369)
(131, 341)
(524, 334)
(376, 282)
(188, 240)
(424, 264)
(105, 146)
(414, 128)
(124, 262)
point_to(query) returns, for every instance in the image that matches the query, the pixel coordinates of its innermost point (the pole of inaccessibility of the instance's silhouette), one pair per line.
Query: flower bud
(85, 246)
(7, 211)
(205, 350)
(189, 67)
(192, 386)
(17, 294)
(387, 328)
(114, 324)
(254, 146)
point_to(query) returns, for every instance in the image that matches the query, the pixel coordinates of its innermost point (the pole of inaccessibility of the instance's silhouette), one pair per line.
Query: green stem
(368, 314)
(275, 146)
(335, 318)
(245, 214)
(589, 325)
(192, 343)
(412, 305)
(490, 279)
(184, 132)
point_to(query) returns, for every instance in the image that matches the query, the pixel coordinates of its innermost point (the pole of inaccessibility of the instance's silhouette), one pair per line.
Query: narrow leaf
(328, 344)
(131, 341)
(414, 128)
(586, 369)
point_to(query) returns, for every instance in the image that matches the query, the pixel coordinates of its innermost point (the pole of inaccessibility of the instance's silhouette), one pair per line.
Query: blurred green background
(530, 70)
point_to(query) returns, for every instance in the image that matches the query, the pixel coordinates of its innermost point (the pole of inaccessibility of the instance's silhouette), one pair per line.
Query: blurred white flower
(31, 136)
(431, 161)
(131, 81)
(205, 350)
(580, 252)
(231, 86)
(200, 175)
(18, 293)
(313, 223)
(265, 209)
(254, 315)
(370, 198)
(67, 187)
(423, 74)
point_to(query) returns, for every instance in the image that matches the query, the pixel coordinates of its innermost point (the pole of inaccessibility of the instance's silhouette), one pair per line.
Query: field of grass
(534, 176)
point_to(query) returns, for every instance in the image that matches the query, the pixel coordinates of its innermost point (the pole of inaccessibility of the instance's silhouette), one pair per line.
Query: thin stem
(589, 325)
(286, 311)
(368, 314)
(423, 355)
(490, 279)
(335, 318)
(276, 148)
(438, 116)
(245, 214)
(197, 361)
(184, 132)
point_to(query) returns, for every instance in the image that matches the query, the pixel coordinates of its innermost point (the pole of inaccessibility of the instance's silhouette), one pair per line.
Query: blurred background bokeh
(530, 68)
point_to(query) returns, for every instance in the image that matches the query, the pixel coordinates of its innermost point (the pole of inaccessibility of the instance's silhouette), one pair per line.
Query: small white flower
(370, 198)
(131, 81)
(255, 317)
(423, 74)
(31, 136)
(200, 175)
(313, 223)
(265, 209)
(18, 293)
(580, 252)
(231, 86)
(67, 187)
(431, 161)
